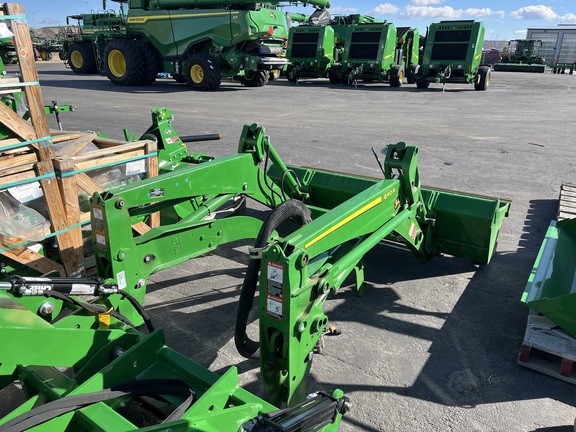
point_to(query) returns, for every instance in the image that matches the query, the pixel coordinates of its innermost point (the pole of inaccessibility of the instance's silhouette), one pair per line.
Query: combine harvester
(523, 55)
(208, 40)
(453, 54)
(87, 355)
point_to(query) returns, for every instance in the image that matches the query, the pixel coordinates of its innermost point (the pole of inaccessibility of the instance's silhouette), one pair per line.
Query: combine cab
(453, 54)
(523, 55)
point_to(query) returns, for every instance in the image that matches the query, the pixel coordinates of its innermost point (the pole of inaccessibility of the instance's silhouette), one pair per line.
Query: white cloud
(568, 18)
(446, 12)
(342, 10)
(384, 8)
(424, 2)
(520, 33)
(537, 12)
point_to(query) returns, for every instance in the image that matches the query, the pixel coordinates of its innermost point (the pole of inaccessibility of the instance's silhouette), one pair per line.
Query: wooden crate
(79, 173)
(27, 155)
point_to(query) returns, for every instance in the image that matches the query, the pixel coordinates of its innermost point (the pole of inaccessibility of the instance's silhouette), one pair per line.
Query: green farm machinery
(379, 52)
(523, 55)
(453, 54)
(87, 354)
(208, 40)
(353, 47)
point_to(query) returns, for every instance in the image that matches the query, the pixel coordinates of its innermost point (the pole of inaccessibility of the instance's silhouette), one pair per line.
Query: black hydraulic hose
(139, 309)
(147, 387)
(92, 308)
(291, 209)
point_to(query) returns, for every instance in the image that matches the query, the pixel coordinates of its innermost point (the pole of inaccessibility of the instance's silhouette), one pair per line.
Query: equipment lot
(432, 345)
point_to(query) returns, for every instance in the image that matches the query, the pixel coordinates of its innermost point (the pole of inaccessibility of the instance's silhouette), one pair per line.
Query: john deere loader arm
(129, 259)
(299, 271)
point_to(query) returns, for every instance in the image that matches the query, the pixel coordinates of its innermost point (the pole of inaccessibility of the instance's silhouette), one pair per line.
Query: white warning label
(274, 290)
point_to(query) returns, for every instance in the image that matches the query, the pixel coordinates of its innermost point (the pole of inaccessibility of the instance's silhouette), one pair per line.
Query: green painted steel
(453, 53)
(551, 287)
(348, 48)
(380, 52)
(83, 354)
(311, 51)
(208, 40)
(351, 216)
(102, 341)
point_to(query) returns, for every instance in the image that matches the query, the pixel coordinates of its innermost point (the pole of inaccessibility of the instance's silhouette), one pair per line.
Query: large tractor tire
(152, 64)
(124, 63)
(335, 74)
(36, 54)
(202, 72)
(62, 55)
(412, 73)
(396, 76)
(482, 78)
(81, 58)
(255, 78)
(45, 55)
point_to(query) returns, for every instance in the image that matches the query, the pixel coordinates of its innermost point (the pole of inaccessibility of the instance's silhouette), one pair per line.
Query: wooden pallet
(567, 204)
(548, 349)
(81, 172)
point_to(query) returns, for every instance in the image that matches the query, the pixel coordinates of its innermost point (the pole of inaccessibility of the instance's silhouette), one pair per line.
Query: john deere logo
(272, 15)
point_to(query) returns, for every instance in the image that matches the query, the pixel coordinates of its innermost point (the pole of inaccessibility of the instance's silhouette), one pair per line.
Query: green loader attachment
(551, 288)
(344, 218)
(91, 369)
(85, 349)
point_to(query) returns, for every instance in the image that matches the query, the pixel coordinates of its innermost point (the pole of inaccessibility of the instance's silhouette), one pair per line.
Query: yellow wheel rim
(117, 63)
(197, 74)
(400, 76)
(76, 59)
(44, 55)
(275, 73)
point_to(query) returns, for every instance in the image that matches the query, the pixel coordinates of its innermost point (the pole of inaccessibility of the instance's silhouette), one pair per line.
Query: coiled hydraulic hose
(291, 209)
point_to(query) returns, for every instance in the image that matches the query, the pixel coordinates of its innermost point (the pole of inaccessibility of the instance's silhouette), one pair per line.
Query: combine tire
(396, 76)
(62, 55)
(335, 75)
(151, 62)
(202, 72)
(81, 58)
(482, 78)
(124, 62)
(255, 78)
(412, 73)
(45, 55)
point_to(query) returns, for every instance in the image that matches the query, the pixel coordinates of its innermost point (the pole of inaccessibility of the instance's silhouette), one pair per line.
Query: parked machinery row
(346, 49)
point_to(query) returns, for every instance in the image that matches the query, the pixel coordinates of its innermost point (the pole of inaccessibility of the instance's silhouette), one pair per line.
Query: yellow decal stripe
(143, 19)
(345, 221)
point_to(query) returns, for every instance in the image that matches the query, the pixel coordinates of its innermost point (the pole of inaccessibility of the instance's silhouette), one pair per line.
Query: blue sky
(504, 20)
